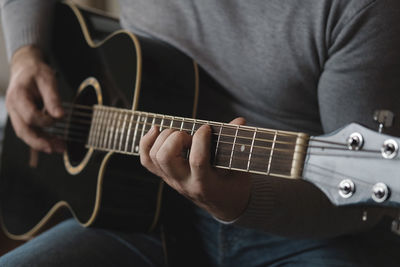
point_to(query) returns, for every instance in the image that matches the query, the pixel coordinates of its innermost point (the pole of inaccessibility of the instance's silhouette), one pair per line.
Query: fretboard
(242, 148)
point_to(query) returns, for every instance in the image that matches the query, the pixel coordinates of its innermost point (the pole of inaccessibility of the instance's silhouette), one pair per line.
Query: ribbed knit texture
(33, 27)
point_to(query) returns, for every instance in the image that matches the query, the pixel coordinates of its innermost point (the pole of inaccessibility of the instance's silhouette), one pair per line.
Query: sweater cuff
(261, 206)
(26, 23)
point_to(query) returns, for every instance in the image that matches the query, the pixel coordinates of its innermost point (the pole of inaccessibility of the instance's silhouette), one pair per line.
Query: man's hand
(32, 83)
(224, 194)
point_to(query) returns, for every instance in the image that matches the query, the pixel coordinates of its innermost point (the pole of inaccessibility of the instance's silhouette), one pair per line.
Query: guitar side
(108, 189)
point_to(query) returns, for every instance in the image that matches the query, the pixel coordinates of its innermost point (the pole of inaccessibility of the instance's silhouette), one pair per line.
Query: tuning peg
(384, 118)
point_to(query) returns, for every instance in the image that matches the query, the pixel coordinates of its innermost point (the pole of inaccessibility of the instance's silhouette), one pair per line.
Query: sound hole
(79, 125)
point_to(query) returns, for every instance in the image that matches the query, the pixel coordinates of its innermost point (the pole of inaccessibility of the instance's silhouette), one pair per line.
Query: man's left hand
(223, 193)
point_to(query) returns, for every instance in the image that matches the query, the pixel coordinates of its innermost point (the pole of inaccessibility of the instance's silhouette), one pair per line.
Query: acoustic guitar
(107, 81)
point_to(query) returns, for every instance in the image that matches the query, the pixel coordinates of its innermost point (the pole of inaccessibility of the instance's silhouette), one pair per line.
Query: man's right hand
(32, 85)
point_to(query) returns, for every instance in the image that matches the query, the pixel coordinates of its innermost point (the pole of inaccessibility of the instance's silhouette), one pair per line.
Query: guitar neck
(242, 148)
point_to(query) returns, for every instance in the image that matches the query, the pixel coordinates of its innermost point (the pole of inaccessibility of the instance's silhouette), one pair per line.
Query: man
(310, 66)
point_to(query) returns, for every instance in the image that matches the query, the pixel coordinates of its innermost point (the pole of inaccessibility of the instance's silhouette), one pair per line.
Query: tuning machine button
(380, 192)
(389, 149)
(346, 188)
(355, 141)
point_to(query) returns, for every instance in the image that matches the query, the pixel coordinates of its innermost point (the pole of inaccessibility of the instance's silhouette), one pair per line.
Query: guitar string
(188, 120)
(246, 138)
(278, 161)
(226, 126)
(62, 132)
(66, 124)
(231, 127)
(249, 138)
(83, 140)
(260, 131)
(278, 156)
(226, 135)
(61, 127)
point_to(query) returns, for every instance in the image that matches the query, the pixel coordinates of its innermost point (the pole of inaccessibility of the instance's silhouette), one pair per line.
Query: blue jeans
(69, 244)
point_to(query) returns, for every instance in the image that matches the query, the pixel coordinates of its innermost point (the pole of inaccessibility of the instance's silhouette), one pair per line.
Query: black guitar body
(109, 190)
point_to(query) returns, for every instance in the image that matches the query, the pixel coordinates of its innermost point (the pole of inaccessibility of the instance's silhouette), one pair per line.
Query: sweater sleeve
(361, 74)
(26, 22)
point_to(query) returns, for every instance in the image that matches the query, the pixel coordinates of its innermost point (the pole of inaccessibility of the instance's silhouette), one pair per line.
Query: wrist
(27, 52)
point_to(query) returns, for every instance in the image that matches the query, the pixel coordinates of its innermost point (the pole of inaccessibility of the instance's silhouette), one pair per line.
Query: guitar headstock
(355, 165)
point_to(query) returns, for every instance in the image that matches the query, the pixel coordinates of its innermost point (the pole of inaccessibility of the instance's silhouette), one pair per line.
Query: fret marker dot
(242, 148)
(136, 148)
(142, 118)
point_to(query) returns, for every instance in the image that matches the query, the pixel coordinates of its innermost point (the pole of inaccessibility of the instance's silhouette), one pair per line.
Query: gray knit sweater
(302, 65)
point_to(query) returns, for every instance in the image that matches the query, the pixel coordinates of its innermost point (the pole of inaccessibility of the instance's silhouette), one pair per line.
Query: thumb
(47, 86)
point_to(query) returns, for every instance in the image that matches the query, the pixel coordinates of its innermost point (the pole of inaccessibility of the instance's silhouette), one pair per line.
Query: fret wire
(290, 151)
(244, 137)
(115, 143)
(105, 128)
(191, 133)
(231, 126)
(108, 128)
(144, 125)
(103, 115)
(162, 122)
(135, 133)
(194, 124)
(251, 149)
(246, 128)
(91, 129)
(261, 147)
(153, 121)
(129, 131)
(172, 121)
(113, 122)
(123, 131)
(97, 131)
(216, 146)
(119, 132)
(271, 153)
(233, 147)
(112, 130)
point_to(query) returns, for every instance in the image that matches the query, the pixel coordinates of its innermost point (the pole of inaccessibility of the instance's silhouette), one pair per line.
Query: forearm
(298, 209)
(26, 23)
